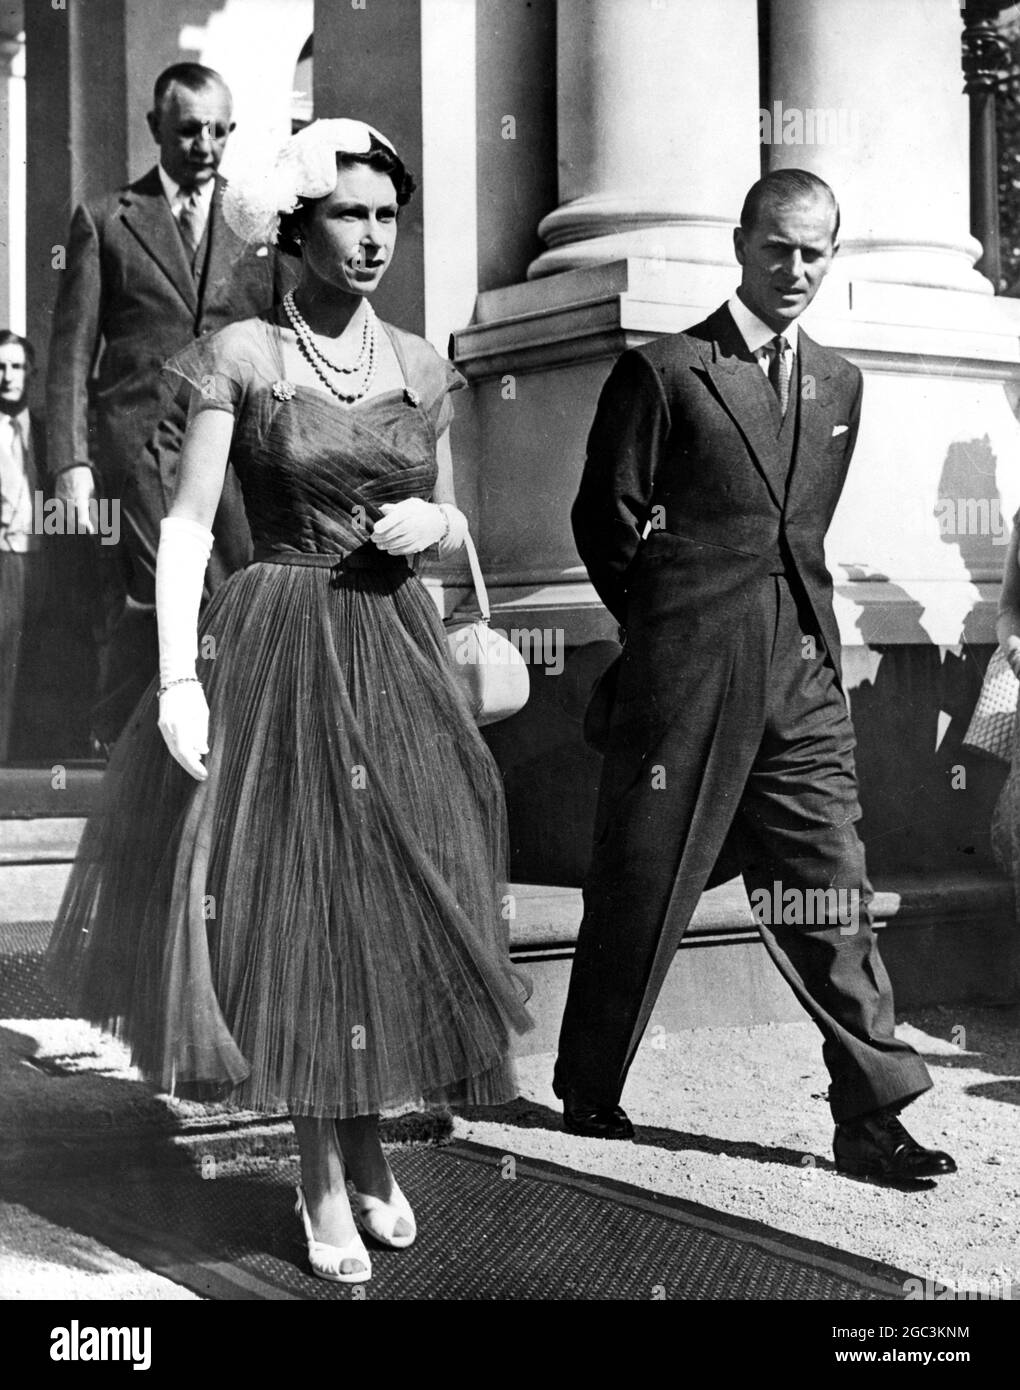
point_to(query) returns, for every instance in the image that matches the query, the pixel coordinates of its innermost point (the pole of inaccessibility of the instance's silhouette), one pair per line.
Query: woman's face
(350, 235)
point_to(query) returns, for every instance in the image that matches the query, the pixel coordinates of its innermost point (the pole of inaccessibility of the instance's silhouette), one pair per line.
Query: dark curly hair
(379, 158)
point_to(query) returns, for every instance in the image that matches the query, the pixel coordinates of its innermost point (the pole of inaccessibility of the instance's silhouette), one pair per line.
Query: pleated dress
(320, 926)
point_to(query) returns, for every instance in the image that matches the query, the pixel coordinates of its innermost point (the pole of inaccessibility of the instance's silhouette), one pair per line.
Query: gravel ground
(732, 1118)
(41, 1261)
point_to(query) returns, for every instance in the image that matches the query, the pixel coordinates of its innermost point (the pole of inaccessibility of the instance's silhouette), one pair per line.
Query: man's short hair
(8, 336)
(781, 188)
(194, 76)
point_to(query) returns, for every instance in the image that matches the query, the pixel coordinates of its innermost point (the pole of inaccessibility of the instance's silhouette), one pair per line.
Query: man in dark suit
(714, 466)
(149, 269)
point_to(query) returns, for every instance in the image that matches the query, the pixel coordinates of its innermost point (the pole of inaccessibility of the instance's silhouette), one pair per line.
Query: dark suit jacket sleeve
(854, 419)
(74, 346)
(624, 447)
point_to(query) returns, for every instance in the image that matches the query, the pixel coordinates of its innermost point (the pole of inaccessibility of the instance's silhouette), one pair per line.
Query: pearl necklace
(302, 329)
(364, 365)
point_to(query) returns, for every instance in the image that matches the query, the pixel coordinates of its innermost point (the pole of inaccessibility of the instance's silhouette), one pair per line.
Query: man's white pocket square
(264, 251)
(839, 429)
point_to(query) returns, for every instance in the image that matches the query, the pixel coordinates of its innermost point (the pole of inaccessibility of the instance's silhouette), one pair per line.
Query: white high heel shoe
(327, 1260)
(379, 1218)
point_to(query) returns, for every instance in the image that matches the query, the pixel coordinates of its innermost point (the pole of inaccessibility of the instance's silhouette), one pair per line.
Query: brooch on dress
(283, 391)
(411, 397)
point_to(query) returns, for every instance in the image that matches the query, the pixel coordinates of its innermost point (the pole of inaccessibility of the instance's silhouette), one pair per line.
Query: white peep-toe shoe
(379, 1218)
(327, 1260)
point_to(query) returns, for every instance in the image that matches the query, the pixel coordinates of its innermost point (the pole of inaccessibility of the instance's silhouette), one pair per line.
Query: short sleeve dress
(318, 926)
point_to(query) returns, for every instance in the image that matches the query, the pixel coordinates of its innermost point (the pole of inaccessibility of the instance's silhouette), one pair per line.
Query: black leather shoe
(878, 1146)
(596, 1121)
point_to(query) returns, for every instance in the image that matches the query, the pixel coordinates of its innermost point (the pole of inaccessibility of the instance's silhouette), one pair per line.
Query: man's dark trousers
(793, 794)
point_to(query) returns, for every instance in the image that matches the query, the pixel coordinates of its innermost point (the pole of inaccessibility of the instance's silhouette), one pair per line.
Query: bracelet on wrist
(181, 680)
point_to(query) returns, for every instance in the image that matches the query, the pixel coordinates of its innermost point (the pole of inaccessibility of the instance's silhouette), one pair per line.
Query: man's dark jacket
(685, 505)
(128, 300)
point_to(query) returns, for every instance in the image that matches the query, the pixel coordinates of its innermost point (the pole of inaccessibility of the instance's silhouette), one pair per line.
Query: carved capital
(987, 55)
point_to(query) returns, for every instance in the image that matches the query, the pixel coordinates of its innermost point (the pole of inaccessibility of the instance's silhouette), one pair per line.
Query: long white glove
(184, 549)
(413, 525)
(78, 486)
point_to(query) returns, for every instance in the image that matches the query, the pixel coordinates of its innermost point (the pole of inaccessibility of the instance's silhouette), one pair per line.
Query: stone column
(408, 67)
(870, 97)
(76, 69)
(12, 199)
(658, 118)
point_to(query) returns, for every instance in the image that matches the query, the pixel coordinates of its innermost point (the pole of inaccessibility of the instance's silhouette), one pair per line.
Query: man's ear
(152, 121)
(738, 244)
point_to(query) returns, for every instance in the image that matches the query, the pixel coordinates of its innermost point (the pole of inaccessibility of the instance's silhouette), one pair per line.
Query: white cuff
(455, 535)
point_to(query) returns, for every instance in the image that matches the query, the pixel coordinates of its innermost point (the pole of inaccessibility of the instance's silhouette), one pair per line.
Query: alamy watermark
(539, 646)
(808, 907)
(972, 516)
(811, 125)
(79, 1342)
(58, 516)
(994, 1287)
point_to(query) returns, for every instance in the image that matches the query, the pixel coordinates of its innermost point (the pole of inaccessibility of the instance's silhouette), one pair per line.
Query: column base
(597, 230)
(927, 265)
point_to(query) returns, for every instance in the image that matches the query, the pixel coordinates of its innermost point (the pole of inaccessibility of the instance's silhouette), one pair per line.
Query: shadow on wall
(927, 800)
(969, 515)
(551, 779)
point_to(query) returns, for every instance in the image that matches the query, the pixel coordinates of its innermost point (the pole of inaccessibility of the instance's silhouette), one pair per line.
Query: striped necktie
(189, 221)
(779, 371)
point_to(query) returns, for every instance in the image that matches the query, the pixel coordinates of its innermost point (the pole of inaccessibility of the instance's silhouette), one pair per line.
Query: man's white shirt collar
(21, 423)
(175, 195)
(754, 332)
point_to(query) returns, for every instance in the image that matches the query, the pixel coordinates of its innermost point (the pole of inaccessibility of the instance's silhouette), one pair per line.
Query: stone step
(61, 791)
(946, 940)
(40, 839)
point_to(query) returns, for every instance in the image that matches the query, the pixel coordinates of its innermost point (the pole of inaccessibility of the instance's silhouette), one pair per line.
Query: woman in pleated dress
(291, 893)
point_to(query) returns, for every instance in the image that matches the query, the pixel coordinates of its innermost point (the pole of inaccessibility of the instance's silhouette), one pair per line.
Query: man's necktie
(189, 222)
(12, 472)
(779, 371)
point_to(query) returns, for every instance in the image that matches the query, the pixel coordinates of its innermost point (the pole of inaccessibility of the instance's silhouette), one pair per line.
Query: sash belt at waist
(366, 557)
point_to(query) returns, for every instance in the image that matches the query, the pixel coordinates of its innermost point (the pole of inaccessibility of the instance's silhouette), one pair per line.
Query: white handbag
(991, 726)
(490, 671)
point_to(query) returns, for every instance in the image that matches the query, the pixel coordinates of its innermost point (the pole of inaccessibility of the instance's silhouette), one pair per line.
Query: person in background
(1005, 830)
(150, 268)
(22, 561)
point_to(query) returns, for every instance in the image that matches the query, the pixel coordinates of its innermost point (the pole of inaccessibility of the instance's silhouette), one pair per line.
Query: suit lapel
(814, 425)
(747, 396)
(224, 249)
(146, 213)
